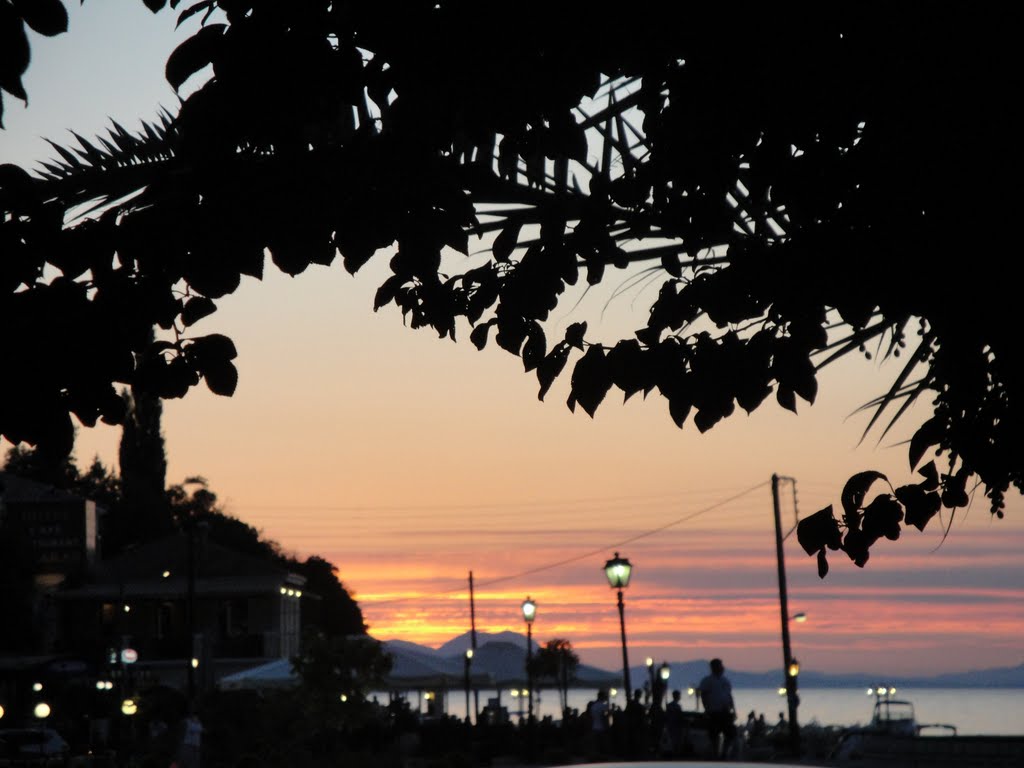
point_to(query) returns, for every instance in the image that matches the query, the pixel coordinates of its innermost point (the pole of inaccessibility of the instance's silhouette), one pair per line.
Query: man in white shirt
(716, 696)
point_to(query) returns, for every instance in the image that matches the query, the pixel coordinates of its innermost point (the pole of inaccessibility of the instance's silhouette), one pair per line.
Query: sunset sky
(409, 461)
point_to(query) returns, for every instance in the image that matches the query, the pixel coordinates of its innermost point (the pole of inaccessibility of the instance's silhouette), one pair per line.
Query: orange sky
(409, 461)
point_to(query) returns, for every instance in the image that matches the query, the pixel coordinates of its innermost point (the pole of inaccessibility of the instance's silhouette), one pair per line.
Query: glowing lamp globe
(618, 571)
(529, 610)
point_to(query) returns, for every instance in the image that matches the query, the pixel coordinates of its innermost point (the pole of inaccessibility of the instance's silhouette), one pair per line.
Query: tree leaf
(882, 517)
(591, 379)
(14, 52)
(919, 504)
(786, 398)
(47, 17)
(927, 435)
(506, 241)
(211, 349)
(221, 378)
(196, 309)
(856, 545)
(479, 335)
(930, 473)
(388, 291)
(855, 489)
(194, 54)
(550, 367)
(818, 531)
(574, 335)
(511, 334)
(207, 5)
(954, 490)
(679, 409)
(535, 348)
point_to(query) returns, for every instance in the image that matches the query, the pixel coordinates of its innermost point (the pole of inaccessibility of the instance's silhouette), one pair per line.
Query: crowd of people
(645, 728)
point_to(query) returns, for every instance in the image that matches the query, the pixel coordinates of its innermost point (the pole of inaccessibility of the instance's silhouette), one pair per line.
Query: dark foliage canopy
(805, 184)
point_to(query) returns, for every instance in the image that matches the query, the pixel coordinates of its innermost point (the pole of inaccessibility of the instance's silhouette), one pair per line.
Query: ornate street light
(529, 614)
(618, 570)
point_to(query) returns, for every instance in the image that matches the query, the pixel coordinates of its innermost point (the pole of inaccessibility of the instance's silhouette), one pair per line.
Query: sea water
(973, 711)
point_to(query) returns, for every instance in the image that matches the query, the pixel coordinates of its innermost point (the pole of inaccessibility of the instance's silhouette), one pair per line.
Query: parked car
(42, 747)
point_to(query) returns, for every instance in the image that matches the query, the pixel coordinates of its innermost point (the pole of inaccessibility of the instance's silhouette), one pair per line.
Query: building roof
(160, 568)
(20, 490)
(496, 664)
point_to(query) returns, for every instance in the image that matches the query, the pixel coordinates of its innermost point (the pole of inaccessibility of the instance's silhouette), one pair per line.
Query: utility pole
(787, 655)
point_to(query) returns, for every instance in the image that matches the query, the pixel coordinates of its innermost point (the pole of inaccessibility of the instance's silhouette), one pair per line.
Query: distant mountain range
(500, 655)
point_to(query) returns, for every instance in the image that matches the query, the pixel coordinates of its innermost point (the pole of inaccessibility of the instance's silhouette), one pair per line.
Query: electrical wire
(583, 556)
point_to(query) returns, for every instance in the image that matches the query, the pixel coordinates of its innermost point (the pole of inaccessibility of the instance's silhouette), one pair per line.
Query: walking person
(191, 742)
(716, 696)
(599, 716)
(636, 726)
(674, 724)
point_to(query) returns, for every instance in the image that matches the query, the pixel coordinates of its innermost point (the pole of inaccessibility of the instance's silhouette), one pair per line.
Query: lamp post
(787, 655)
(694, 691)
(469, 660)
(529, 613)
(618, 571)
(664, 671)
(649, 662)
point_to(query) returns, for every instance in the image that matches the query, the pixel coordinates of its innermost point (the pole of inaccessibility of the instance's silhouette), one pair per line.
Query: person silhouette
(716, 696)
(599, 715)
(636, 724)
(674, 724)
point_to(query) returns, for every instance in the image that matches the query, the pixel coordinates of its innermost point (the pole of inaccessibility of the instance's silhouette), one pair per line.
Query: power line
(589, 554)
(285, 508)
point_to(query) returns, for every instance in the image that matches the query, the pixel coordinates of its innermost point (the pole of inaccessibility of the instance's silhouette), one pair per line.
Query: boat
(892, 719)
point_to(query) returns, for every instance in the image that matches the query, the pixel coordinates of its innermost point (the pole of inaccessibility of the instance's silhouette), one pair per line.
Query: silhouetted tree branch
(804, 186)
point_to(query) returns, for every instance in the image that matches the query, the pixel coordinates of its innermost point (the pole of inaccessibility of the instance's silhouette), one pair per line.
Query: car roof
(680, 764)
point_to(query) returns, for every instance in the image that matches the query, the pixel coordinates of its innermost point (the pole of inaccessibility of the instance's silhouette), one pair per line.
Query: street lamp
(469, 660)
(650, 678)
(618, 570)
(529, 613)
(663, 674)
(787, 655)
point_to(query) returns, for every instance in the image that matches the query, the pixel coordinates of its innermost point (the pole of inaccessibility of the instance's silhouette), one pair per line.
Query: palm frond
(120, 149)
(110, 167)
